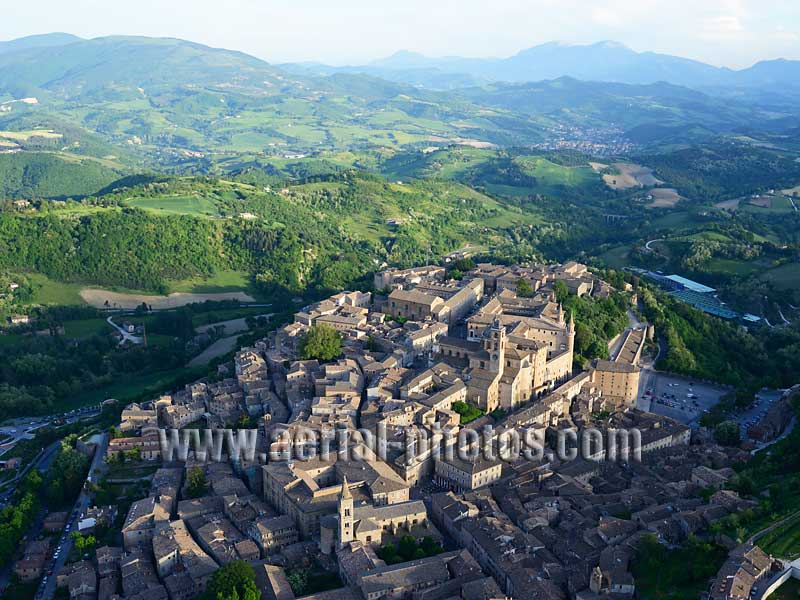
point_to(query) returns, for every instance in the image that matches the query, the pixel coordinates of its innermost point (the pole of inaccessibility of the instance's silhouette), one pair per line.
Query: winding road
(126, 336)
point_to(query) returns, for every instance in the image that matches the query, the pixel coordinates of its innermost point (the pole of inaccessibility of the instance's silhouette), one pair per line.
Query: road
(126, 336)
(47, 589)
(615, 345)
(647, 245)
(42, 463)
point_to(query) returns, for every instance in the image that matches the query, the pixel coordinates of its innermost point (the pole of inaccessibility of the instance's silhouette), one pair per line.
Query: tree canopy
(321, 342)
(234, 581)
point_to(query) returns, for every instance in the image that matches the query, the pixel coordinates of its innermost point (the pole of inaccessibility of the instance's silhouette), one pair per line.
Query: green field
(783, 541)
(616, 258)
(674, 220)
(47, 291)
(785, 277)
(177, 205)
(551, 177)
(788, 591)
(730, 266)
(86, 328)
(218, 283)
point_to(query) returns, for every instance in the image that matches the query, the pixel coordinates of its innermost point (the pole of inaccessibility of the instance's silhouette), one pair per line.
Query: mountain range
(603, 61)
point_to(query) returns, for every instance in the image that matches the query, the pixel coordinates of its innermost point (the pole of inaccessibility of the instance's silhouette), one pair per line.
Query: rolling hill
(178, 105)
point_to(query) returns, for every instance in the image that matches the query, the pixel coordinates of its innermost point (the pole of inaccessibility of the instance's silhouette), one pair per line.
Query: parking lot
(679, 398)
(763, 402)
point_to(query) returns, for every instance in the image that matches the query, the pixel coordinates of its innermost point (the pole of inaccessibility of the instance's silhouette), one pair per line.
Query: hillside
(314, 235)
(51, 175)
(172, 100)
(185, 106)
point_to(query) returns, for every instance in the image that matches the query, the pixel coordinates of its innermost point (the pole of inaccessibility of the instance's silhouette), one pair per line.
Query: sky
(732, 33)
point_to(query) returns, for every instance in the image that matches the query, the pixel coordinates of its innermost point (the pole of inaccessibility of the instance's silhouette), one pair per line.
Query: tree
(561, 291)
(464, 264)
(298, 580)
(321, 342)
(727, 433)
(196, 483)
(407, 547)
(83, 543)
(234, 581)
(524, 289)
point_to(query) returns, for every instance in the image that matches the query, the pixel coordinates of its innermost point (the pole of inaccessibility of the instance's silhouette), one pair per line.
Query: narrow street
(97, 467)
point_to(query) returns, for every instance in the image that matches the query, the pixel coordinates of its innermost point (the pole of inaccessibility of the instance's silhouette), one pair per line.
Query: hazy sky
(734, 33)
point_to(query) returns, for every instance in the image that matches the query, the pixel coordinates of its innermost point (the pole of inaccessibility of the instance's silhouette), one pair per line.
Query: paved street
(47, 588)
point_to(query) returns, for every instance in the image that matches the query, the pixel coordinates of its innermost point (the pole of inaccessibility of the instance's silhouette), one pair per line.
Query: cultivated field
(792, 191)
(728, 204)
(177, 205)
(763, 201)
(24, 136)
(630, 175)
(105, 299)
(664, 198)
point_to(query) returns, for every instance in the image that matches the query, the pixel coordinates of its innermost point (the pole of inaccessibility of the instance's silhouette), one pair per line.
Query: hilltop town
(428, 357)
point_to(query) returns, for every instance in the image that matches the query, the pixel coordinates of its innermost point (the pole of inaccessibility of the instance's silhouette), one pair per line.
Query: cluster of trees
(39, 370)
(468, 412)
(13, 300)
(597, 321)
(233, 581)
(29, 175)
(66, 474)
(130, 248)
(321, 342)
(409, 549)
(706, 347)
(196, 484)
(18, 516)
(675, 573)
(725, 170)
(83, 543)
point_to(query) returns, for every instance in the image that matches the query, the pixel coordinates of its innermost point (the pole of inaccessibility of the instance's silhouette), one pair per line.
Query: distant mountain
(78, 67)
(46, 40)
(603, 61)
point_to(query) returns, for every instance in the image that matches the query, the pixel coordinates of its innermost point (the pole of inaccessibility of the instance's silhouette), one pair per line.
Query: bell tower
(571, 333)
(495, 345)
(346, 534)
